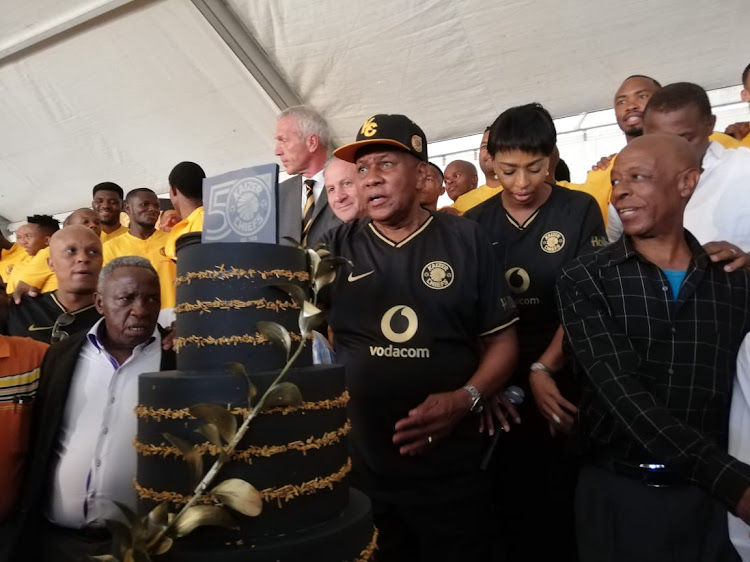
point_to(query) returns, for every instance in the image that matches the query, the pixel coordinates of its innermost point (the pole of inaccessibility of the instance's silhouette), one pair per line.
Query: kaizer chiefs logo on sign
(552, 242)
(437, 275)
(249, 206)
(407, 324)
(518, 280)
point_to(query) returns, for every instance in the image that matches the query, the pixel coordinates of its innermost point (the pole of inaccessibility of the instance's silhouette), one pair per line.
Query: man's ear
(50, 265)
(688, 181)
(98, 303)
(745, 95)
(312, 142)
(126, 208)
(421, 174)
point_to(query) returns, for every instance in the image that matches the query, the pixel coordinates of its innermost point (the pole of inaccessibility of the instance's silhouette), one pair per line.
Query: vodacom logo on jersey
(399, 324)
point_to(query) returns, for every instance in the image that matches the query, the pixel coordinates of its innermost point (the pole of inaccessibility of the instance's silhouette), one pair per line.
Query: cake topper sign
(241, 205)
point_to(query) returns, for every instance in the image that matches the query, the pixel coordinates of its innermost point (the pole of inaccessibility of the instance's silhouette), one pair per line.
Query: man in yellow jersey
(10, 254)
(491, 185)
(630, 102)
(144, 240)
(108, 205)
(34, 237)
(186, 193)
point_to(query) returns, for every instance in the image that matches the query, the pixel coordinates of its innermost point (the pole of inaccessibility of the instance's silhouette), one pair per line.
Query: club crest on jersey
(437, 275)
(552, 242)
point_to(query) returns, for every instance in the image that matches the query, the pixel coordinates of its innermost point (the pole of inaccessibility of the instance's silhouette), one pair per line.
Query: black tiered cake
(296, 456)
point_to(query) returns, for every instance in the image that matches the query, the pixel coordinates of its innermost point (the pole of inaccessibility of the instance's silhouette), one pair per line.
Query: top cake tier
(223, 291)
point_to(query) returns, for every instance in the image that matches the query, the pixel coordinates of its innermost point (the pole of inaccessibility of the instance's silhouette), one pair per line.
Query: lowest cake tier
(223, 290)
(349, 537)
(296, 456)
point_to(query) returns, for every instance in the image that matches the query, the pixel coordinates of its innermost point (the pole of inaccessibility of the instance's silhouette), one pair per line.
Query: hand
(743, 506)
(450, 211)
(724, 251)
(558, 411)
(432, 419)
(738, 130)
(603, 163)
(167, 341)
(499, 408)
(24, 289)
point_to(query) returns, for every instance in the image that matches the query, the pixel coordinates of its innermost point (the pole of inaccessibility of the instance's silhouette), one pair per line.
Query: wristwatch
(541, 367)
(477, 402)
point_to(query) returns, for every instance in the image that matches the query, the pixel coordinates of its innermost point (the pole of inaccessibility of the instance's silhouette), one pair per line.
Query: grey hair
(123, 261)
(309, 122)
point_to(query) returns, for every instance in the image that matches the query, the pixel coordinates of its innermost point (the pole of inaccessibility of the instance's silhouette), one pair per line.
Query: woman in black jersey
(536, 227)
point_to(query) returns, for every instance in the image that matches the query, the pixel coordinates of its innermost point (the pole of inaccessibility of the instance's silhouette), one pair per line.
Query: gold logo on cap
(369, 127)
(552, 242)
(416, 143)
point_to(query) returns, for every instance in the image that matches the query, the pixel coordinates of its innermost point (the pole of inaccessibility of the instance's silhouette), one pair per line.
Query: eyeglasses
(65, 319)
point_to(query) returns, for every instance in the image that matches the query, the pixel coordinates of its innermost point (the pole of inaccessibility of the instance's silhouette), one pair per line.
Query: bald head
(653, 178)
(84, 217)
(75, 255)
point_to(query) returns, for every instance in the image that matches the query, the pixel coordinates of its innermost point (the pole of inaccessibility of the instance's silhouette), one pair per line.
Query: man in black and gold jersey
(424, 325)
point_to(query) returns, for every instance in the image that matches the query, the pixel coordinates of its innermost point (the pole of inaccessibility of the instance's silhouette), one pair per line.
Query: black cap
(391, 129)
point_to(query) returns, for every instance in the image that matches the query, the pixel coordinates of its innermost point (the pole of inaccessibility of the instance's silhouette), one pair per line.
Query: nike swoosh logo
(353, 278)
(35, 328)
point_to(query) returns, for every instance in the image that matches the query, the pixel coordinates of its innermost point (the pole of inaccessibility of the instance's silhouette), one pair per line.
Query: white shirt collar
(712, 156)
(95, 338)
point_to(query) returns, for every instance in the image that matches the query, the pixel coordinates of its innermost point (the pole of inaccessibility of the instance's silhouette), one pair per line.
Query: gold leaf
(218, 416)
(240, 496)
(326, 271)
(200, 515)
(164, 546)
(153, 523)
(237, 369)
(295, 292)
(310, 317)
(293, 242)
(191, 455)
(105, 558)
(282, 395)
(211, 432)
(277, 334)
(313, 260)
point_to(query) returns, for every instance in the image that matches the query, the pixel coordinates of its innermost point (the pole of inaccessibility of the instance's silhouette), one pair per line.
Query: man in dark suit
(302, 141)
(81, 458)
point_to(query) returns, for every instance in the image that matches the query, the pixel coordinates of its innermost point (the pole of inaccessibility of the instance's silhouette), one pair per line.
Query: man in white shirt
(302, 140)
(82, 458)
(720, 207)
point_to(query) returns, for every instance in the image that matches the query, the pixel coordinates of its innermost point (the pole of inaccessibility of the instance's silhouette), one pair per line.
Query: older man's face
(291, 147)
(75, 255)
(129, 300)
(390, 181)
(344, 195)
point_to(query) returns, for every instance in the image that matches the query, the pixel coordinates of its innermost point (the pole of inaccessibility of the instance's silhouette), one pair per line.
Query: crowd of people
(618, 308)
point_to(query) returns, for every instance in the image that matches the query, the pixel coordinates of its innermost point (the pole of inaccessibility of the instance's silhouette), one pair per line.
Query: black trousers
(619, 519)
(534, 478)
(57, 544)
(455, 531)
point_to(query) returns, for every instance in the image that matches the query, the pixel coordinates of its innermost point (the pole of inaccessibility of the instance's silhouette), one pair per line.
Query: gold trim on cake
(285, 493)
(222, 273)
(369, 550)
(247, 455)
(200, 341)
(183, 413)
(221, 304)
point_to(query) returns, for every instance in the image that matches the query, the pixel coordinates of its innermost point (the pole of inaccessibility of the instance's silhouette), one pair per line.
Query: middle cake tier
(295, 456)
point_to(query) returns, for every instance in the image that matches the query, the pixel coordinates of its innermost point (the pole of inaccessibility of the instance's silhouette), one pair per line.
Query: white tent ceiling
(118, 90)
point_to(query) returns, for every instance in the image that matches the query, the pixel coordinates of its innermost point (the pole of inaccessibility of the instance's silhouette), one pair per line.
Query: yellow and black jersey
(532, 254)
(407, 322)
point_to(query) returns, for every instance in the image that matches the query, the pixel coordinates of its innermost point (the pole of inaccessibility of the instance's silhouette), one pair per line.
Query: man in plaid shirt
(654, 327)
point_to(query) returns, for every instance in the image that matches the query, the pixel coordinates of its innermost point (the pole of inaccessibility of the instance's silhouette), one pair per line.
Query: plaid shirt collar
(623, 250)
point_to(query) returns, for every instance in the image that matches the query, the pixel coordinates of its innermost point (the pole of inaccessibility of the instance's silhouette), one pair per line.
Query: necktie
(307, 213)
